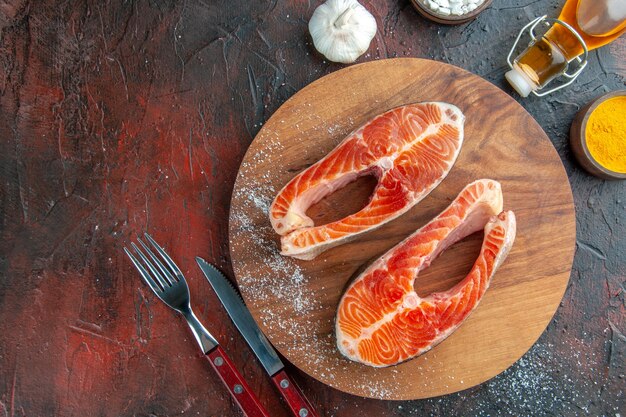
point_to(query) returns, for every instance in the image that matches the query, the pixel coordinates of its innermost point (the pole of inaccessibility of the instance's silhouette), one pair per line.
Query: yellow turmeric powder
(605, 134)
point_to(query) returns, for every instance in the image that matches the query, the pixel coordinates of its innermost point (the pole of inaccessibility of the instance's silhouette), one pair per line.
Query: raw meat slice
(410, 150)
(381, 320)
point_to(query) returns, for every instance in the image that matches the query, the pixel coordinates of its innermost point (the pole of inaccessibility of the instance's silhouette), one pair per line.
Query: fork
(167, 282)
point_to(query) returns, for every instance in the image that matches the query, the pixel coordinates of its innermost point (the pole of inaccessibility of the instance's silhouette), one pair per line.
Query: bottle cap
(519, 82)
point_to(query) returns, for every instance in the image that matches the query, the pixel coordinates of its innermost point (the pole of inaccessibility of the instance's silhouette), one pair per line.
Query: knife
(240, 315)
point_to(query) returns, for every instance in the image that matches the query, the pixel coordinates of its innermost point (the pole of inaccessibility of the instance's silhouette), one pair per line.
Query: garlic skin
(342, 30)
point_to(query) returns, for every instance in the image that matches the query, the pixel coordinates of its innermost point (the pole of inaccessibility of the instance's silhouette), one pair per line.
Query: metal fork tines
(168, 283)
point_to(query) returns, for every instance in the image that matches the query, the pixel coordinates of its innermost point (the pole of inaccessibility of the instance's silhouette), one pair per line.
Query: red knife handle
(297, 402)
(232, 379)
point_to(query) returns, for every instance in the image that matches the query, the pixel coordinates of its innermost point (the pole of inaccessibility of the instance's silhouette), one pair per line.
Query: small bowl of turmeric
(598, 136)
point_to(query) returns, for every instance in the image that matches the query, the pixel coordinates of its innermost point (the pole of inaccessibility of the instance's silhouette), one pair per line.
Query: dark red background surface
(119, 117)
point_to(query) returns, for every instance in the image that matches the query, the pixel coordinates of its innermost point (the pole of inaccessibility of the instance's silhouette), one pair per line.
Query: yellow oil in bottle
(542, 62)
(598, 22)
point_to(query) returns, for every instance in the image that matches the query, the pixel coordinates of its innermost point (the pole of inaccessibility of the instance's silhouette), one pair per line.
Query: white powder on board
(277, 287)
(284, 279)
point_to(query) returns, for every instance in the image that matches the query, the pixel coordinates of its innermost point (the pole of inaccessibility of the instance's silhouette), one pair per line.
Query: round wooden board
(294, 301)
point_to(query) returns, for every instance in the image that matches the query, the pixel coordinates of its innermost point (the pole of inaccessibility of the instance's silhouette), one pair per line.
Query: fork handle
(236, 385)
(293, 396)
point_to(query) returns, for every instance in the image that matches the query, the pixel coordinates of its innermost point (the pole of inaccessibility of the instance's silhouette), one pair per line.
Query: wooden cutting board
(294, 301)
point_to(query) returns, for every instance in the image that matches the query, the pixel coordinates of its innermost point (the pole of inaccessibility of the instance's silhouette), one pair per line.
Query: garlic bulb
(342, 30)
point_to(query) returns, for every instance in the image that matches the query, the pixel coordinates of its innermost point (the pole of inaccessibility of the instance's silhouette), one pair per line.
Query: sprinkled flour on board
(290, 291)
(278, 287)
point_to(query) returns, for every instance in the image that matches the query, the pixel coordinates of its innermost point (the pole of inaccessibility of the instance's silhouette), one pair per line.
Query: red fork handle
(232, 379)
(297, 402)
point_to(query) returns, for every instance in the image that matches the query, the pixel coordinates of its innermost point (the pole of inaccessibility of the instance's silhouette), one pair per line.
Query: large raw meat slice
(410, 150)
(381, 320)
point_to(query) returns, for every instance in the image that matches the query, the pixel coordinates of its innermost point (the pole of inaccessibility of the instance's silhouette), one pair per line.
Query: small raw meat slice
(409, 149)
(381, 320)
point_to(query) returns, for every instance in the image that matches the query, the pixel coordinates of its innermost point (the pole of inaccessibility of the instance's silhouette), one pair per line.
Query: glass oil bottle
(583, 25)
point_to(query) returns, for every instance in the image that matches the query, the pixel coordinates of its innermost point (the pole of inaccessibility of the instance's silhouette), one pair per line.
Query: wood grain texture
(121, 117)
(502, 142)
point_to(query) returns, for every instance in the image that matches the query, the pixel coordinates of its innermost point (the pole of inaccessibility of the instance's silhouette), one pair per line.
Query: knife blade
(240, 315)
